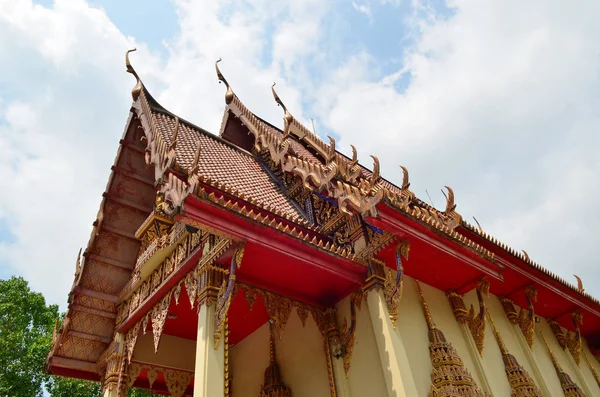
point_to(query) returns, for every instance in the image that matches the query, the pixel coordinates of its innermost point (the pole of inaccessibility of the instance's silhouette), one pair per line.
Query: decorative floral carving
(393, 287)
(458, 306)
(131, 339)
(177, 381)
(159, 316)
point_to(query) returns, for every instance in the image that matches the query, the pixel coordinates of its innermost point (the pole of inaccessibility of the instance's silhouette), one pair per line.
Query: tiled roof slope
(220, 161)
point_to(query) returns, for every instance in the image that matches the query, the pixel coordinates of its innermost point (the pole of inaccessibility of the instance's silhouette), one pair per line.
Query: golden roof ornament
(405, 180)
(287, 116)
(450, 205)
(229, 92)
(137, 89)
(449, 377)
(570, 388)
(580, 288)
(521, 383)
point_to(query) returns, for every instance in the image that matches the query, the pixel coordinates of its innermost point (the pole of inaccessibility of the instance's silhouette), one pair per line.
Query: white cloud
(364, 8)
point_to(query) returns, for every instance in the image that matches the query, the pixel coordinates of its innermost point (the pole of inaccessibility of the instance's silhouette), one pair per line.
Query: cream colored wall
(300, 357)
(365, 376)
(587, 372)
(173, 352)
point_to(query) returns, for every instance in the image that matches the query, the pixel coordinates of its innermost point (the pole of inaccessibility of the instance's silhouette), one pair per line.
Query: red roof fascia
(247, 230)
(399, 224)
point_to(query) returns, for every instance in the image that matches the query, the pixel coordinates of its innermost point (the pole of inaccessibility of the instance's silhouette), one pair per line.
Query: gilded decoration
(574, 342)
(177, 381)
(393, 286)
(521, 383)
(527, 316)
(348, 334)
(273, 385)
(131, 339)
(570, 388)
(115, 377)
(449, 376)
(376, 274)
(509, 309)
(457, 304)
(226, 374)
(139, 291)
(159, 316)
(558, 332)
(225, 294)
(477, 320)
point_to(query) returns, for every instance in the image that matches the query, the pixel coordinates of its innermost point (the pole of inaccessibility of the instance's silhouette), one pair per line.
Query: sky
(498, 99)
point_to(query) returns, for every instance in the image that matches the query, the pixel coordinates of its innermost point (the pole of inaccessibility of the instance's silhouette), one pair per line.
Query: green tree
(25, 335)
(26, 325)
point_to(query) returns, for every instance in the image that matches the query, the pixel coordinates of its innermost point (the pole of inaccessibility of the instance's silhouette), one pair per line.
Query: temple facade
(261, 261)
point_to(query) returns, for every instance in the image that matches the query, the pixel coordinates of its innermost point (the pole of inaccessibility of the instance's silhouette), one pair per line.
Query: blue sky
(497, 99)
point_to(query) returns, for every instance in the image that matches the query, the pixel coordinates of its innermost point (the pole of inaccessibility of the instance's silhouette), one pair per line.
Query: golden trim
(527, 316)
(477, 321)
(570, 388)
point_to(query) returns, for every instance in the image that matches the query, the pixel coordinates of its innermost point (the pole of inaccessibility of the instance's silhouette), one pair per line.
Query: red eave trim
(247, 230)
(550, 284)
(388, 218)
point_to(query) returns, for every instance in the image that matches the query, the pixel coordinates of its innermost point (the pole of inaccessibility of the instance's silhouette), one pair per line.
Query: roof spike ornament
(570, 388)
(229, 92)
(287, 116)
(273, 385)
(405, 180)
(580, 288)
(521, 383)
(449, 377)
(137, 89)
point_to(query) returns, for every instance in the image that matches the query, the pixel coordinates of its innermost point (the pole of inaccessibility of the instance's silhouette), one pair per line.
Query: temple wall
(365, 377)
(173, 352)
(300, 357)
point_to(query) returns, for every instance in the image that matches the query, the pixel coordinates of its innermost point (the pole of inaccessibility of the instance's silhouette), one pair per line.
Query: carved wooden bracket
(225, 294)
(348, 334)
(477, 321)
(574, 342)
(527, 316)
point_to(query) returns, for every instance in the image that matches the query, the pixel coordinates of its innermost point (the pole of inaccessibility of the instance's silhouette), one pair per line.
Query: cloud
(501, 105)
(363, 9)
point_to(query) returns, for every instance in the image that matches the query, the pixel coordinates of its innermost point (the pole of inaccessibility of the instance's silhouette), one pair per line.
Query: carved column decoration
(159, 316)
(509, 309)
(114, 377)
(570, 388)
(596, 377)
(227, 374)
(348, 334)
(449, 376)
(521, 383)
(558, 333)
(210, 277)
(574, 343)
(477, 321)
(191, 287)
(527, 316)
(279, 309)
(225, 294)
(393, 287)
(458, 306)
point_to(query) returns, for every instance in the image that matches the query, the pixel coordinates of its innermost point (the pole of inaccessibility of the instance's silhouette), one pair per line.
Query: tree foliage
(26, 325)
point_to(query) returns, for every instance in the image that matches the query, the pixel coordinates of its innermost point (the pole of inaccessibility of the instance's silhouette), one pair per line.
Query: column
(115, 377)
(209, 375)
(394, 360)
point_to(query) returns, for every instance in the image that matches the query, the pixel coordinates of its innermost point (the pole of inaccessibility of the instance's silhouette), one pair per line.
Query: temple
(261, 261)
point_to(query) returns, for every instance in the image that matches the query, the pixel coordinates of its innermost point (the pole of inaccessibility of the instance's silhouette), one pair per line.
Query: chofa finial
(405, 181)
(137, 89)
(579, 283)
(229, 92)
(450, 206)
(287, 116)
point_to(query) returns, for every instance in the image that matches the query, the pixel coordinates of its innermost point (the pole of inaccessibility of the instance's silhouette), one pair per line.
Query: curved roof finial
(478, 225)
(354, 155)
(526, 255)
(287, 116)
(229, 92)
(135, 92)
(405, 181)
(375, 177)
(579, 283)
(450, 206)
